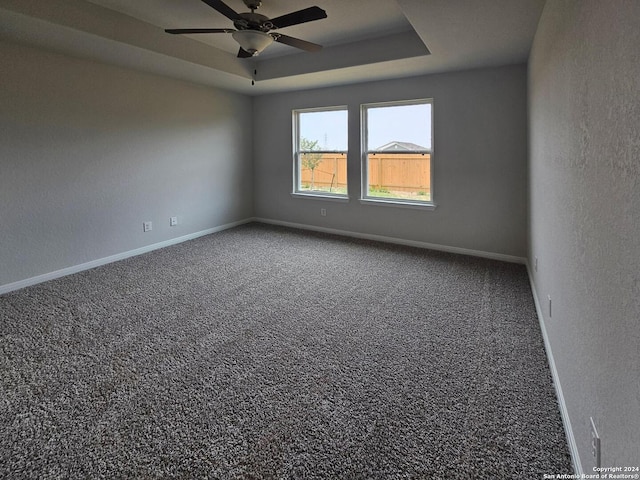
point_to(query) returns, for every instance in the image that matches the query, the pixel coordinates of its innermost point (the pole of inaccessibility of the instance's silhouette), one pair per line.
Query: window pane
(400, 175)
(404, 127)
(328, 129)
(322, 151)
(398, 157)
(323, 172)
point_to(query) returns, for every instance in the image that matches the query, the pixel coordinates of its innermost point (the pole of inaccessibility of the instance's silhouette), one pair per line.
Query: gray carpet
(265, 352)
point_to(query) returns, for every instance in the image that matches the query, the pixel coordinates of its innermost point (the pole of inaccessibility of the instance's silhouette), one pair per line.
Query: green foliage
(377, 189)
(309, 160)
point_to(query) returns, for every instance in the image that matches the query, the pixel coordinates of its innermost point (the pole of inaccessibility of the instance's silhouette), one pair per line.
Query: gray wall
(88, 152)
(584, 211)
(480, 142)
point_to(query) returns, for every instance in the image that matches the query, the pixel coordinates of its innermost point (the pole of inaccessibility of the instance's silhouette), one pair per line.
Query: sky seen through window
(401, 123)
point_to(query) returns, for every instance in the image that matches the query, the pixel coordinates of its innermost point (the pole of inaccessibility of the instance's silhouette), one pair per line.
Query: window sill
(321, 196)
(398, 203)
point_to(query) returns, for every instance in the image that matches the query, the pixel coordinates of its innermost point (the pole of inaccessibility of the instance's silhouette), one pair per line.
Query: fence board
(401, 172)
(405, 172)
(330, 173)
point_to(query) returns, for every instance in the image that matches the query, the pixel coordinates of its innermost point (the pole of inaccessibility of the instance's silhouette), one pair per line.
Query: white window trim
(296, 192)
(322, 196)
(401, 203)
(366, 199)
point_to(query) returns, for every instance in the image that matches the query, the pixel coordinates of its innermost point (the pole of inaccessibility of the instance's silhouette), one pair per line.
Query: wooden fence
(400, 172)
(397, 172)
(329, 175)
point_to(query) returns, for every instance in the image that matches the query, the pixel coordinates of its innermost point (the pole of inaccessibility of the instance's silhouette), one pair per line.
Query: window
(397, 152)
(320, 151)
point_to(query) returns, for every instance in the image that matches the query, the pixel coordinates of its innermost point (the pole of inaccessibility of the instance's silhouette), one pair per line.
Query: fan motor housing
(253, 21)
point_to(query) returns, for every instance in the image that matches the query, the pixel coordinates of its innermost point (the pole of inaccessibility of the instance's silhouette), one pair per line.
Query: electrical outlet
(147, 226)
(595, 443)
(550, 311)
(173, 221)
(323, 212)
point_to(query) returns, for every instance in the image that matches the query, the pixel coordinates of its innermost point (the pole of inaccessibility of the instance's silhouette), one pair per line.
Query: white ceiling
(363, 39)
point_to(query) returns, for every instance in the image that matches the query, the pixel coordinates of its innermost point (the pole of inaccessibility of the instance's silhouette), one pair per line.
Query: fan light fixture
(252, 41)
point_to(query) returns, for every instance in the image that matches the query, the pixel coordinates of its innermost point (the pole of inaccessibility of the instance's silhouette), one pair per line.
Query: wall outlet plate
(173, 221)
(147, 226)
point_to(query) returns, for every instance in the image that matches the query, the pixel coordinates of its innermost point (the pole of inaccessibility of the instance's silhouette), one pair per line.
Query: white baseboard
(114, 258)
(399, 241)
(564, 413)
(139, 251)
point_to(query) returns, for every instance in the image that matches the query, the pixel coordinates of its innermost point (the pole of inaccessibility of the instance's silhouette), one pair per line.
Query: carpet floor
(266, 352)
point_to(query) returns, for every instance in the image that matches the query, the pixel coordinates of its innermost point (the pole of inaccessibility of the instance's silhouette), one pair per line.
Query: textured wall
(480, 144)
(88, 152)
(584, 100)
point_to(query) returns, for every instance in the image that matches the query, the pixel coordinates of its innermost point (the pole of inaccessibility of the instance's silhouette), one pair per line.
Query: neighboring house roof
(405, 146)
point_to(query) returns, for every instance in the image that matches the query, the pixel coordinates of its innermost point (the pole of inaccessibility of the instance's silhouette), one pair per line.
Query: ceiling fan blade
(301, 16)
(296, 42)
(224, 9)
(242, 53)
(179, 31)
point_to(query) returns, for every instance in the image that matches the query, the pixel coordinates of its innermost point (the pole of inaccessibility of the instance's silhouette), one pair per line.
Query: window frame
(367, 199)
(297, 191)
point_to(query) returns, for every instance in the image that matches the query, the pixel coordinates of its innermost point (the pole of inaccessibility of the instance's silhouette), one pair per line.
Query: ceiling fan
(252, 29)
